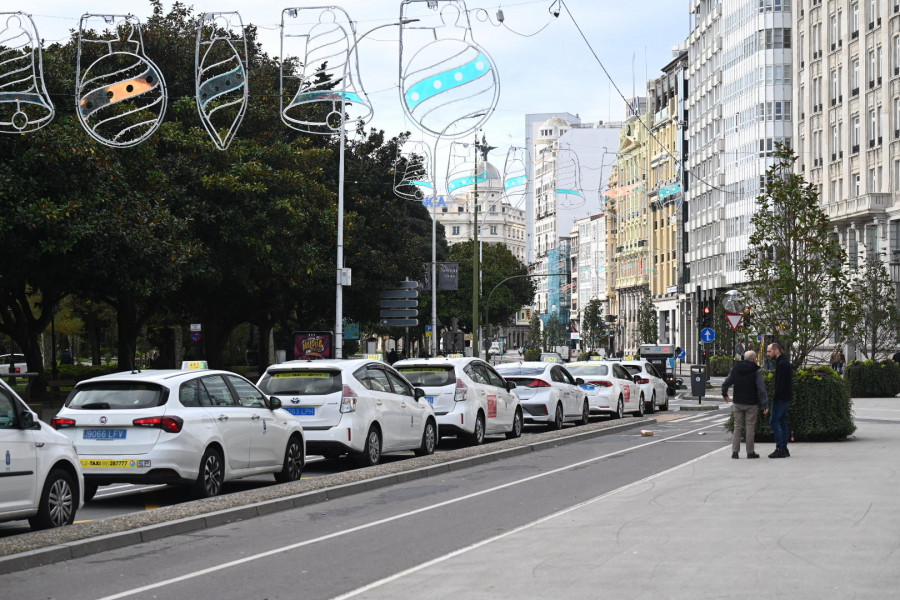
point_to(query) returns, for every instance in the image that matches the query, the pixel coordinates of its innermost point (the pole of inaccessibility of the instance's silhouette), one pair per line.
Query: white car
(198, 427)
(654, 386)
(469, 397)
(41, 478)
(548, 393)
(361, 407)
(617, 392)
(11, 364)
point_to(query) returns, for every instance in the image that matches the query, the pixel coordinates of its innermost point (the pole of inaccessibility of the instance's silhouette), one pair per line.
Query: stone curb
(57, 552)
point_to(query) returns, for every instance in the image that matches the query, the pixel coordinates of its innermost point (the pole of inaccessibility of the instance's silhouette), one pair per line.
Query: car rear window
(117, 395)
(583, 370)
(517, 371)
(301, 383)
(633, 369)
(428, 376)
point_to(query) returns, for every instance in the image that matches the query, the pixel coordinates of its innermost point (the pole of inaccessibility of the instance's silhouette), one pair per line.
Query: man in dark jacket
(781, 399)
(749, 394)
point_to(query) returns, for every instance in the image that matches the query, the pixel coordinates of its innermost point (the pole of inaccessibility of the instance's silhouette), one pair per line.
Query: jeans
(744, 418)
(778, 420)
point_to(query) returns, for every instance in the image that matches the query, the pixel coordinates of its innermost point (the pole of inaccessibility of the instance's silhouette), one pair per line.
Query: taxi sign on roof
(374, 357)
(596, 358)
(454, 356)
(192, 365)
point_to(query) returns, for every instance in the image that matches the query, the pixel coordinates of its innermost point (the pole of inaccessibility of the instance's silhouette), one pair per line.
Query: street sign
(195, 336)
(734, 320)
(399, 312)
(399, 303)
(409, 285)
(399, 293)
(707, 334)
(682, 355)
(399, 322)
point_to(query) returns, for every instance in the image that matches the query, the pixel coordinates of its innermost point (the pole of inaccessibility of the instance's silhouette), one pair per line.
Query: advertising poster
(313, 344)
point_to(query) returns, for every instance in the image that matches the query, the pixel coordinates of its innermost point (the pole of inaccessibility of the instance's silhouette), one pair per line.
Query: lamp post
(476, 259)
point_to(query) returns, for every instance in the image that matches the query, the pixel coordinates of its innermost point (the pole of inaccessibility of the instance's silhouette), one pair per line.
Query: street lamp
(476, 261)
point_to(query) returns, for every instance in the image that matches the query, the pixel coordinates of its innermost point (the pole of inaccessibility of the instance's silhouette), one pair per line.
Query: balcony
(854, 149)
(865, 206)
(854, 91)
(854, 35)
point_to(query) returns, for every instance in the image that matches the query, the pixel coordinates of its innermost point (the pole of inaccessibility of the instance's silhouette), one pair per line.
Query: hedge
(82, 372)
(532, 355)
(873, 378)
(720, 365)
(821, 411)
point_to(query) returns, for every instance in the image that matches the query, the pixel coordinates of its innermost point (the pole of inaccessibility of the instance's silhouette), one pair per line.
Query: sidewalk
(821, 524)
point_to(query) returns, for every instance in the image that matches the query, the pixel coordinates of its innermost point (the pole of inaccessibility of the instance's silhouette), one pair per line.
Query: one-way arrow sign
(707, 334)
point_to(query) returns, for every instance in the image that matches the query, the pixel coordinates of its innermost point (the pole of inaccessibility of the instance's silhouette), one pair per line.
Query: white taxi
(194, 426)
(40, 476)
(548, 393)
(653, 385)
(617, 391)
(469, 397)
(361, 407)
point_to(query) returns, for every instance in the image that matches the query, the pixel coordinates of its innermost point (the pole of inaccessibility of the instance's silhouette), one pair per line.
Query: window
(854, 75)
(855, 178)
(455, 230)
(872, 127)
(8, 412)
(248, 395)
(493, 230)
(854, 19)
(400, 386)
(855, 139)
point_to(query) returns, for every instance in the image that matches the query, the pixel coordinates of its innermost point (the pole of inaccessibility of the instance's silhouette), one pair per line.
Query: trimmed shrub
(532, 355)
(719, 365)
(821, 411)
(82, 372)
(873, 378)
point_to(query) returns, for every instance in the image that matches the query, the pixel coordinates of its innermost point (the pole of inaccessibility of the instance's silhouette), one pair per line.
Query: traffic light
(705, 316)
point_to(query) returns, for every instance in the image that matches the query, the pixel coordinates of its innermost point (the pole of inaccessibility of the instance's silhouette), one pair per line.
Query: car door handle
(378, 403)
(223, 417)
(39, 444)
(254, 418)
(403, 405)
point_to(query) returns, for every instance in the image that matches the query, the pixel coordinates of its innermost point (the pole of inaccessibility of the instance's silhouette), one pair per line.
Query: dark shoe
(786, 451)
(734, 455)
(752, 455)
(779, 453)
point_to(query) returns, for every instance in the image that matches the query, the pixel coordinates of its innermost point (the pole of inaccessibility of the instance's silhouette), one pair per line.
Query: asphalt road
(333, 548)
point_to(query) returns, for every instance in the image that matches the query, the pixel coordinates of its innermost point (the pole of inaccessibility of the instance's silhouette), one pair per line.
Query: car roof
(439, 360)
(324, 363)
(162, 376)
(526, 363)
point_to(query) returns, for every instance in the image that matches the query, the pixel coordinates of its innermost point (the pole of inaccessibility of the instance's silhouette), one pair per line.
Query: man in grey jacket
(749, 394)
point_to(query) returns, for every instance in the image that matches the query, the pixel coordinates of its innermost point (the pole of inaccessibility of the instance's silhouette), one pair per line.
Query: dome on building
(486, 174)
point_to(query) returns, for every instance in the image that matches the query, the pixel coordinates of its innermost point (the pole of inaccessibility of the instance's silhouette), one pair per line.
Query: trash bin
(698, 380)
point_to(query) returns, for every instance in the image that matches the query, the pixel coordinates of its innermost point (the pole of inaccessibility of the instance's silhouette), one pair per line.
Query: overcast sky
(551, 70)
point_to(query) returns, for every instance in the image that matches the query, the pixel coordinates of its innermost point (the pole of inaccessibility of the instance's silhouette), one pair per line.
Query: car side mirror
(510, 385)
(274, 402)
(27, 419)
(636, 378)
(579, 381)
(418, 393)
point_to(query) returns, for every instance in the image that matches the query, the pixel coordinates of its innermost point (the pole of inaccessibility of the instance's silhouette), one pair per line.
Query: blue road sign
(707, 334)
(682, 355)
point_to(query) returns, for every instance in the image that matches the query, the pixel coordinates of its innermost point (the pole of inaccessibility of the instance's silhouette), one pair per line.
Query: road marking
(397, 517)
(448, 556)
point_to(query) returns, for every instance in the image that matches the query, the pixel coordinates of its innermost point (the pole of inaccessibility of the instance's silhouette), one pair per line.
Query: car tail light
(17, 370)
(538, 383)
(60, 423)
(642, 381)
(601, 383)
(348, 400)
(170, 424)
(460, 394)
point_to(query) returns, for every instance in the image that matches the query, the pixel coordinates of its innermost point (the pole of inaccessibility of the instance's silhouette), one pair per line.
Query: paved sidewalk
(821, 524)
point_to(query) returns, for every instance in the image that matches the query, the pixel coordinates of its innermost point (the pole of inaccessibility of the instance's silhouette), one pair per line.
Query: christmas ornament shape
(221, 62)
(25, 105)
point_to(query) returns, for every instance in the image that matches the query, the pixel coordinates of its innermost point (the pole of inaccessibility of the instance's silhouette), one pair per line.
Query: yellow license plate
(112, 463)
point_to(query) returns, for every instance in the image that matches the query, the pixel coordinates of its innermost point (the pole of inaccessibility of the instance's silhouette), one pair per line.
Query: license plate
(308, 411)
(105, 434)
(430, 399)
(114, 463)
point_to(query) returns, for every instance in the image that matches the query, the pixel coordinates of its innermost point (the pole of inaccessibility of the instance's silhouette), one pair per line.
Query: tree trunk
(93, 330)
(19, 322)
(265, 349)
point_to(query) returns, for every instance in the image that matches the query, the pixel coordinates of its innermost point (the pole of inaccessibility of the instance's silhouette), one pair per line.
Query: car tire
(211, 476)
(292, 468)
(58, 502)
(585, 413)
(640, 411)
(620, 409)
(558, 418)
(665, 405)
(371, 454)
(651, 407)
(90, 490)
(516, 430)
(429, 439)
(477, 437)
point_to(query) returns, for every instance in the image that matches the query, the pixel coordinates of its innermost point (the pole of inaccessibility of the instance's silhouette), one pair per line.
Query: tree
(872, 320)
(648, 322)
(554, 333)
(593, 328)
(533, 339)
(794, 268)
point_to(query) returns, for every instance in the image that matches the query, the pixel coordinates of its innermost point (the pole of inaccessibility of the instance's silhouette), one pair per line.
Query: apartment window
(854, 76)
(878, 61)
(455, 230)
(835, 86)
(854, 19)
(896, 117)
(460, 209)
(871, 67)
(834, 142)
(855, 134)
(855, 177)
(834, 31)
(872, 128)
(896, 54)
(873, 182)
(493, 230)
(897, 174)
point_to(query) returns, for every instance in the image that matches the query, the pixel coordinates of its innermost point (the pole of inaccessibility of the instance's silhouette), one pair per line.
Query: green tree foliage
(554, 333)
(648, 321)
(534, 338)
(593, 328)
(796, 283)
(872, 321)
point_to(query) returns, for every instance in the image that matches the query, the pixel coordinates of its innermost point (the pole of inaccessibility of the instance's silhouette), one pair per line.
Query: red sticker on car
(492, 406)
(627, 393)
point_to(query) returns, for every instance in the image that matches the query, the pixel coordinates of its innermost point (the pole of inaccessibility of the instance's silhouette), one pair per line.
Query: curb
(100, 543)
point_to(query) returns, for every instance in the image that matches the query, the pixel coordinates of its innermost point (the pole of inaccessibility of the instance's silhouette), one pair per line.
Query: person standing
(781, 399)
(749, 395)
(837, 361)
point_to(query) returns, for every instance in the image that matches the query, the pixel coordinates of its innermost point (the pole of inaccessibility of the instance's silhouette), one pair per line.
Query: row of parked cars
(200, 428)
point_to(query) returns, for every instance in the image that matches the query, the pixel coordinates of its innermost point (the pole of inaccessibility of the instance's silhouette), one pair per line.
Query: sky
(542, 63)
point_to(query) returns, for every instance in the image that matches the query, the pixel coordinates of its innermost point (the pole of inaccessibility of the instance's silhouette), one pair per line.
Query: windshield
(301, 383)
(582, 370)
(428, 376)
(117, 395)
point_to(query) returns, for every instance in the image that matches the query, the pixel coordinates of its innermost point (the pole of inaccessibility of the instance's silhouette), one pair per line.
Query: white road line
(440, 559)
(404, 515)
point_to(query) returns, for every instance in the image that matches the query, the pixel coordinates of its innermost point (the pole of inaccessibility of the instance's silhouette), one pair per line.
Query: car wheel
(640, 411)
(516, 430)
(90, 490)
(58, 503)
(211, 475)
(292, 468)
(477, 437)
(651, 407)
(557, 423)
(665, 405)
(585, 413)
(429, 439)
(371, 454)
(620, 409)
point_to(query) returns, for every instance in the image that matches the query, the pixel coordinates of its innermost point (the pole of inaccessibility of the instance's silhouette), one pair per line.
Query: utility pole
(476, 262)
